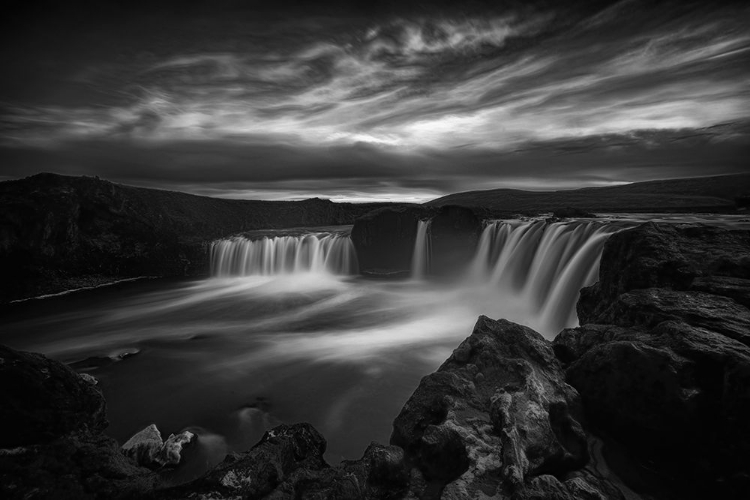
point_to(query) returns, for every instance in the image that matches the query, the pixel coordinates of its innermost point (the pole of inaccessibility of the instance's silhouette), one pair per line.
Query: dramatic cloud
(405, 104)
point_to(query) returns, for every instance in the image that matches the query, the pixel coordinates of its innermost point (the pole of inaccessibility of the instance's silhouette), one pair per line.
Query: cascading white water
(420, 261)
(544, 264)
(314, 252)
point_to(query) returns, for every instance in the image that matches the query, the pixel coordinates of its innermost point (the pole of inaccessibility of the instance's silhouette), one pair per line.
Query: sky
(396, 100)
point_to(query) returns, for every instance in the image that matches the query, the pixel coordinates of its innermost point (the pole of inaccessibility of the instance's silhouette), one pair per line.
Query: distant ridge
(698, 194)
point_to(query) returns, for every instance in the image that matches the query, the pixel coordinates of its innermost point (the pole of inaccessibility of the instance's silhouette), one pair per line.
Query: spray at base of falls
(543, 265)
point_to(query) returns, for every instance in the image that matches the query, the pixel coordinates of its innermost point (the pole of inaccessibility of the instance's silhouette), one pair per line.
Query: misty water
(283, 335)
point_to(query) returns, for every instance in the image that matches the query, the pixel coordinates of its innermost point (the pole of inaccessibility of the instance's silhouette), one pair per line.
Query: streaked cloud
(426, 95)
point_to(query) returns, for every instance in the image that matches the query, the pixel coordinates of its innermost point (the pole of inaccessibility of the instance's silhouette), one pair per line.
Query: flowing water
(284, 331)
(420, 261)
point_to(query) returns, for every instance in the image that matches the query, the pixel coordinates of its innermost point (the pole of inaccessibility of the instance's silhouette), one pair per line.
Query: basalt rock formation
(59, 232)
(662, 358)
(497, 420)
(384, 239)
(51, 441)
(454, 235)
(43, 400)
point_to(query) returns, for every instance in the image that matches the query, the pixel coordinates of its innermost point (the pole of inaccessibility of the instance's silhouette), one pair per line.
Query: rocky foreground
(649, 398)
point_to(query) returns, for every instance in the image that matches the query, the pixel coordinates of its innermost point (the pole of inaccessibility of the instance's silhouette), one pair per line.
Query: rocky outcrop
(384, 240)
(288, 463)
(147, 448)
(673, 257)
(662, 359)
(497, 420)
(43, 400)
(454, 236)
(52, 445)
(59, 232)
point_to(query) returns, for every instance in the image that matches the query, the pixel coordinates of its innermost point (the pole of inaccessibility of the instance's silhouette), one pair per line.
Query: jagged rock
(649, 389)
(664, 375)
(78, 466)
(384, 239)
(51, 445)
(664, 256)
(652, 306)
(496, 418)
(380, 474)
(282, 451)
(89, 378)
(146, 448)
(170, 453)
(737, 289)
(43, 399)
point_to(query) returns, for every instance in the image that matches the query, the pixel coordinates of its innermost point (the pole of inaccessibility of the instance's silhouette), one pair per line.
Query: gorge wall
(647, 399)
(59, 232)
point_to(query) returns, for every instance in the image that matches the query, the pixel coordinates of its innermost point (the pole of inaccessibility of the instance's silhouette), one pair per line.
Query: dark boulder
(662, 359)
(43, 400)
(454, 235)
(281, 452)
(676, 257)
(288, 463)
(497, 418)
(384, 240)
(51, 445)
(652, 306)
(77, 466)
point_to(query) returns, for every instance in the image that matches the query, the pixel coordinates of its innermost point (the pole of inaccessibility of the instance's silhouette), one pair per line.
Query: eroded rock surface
(52, 445)
(662, 359)
(384, 239)
(147, 448)
(41, 399)
(497, 420)
(454, 235)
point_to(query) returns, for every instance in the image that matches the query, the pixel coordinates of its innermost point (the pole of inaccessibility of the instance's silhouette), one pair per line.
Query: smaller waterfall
(420, 260)
(314, 252)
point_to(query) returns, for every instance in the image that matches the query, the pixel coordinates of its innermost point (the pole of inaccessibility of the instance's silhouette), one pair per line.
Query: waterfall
(313, 252)
(544, 264)
(420, 261)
